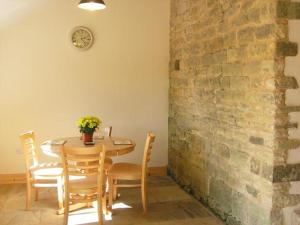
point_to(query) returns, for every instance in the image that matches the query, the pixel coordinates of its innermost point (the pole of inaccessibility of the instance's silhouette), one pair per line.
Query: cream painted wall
(292, 95)
(292, 99)
(46, 84)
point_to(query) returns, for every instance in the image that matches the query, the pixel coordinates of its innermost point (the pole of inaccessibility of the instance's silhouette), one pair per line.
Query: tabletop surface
(51, 149)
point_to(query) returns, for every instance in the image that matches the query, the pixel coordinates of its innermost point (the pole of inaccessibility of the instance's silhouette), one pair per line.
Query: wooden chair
(108, 161)
(103, 132)
(131, 172)
(39, 174)
(107, 131)
(84, 178)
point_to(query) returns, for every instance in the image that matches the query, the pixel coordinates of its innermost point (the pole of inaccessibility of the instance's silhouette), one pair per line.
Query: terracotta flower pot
(87, 137)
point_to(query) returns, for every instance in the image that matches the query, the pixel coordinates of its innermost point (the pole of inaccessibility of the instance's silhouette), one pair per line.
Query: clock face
(82, 38)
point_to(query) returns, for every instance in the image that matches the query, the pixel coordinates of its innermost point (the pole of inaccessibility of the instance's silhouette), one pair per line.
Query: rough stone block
(221, 195)
(232, 221)
(239, 206)
(252, 69)
(286, 49)
(282, 9)
(252, 191)
(232, 70)
(196, 143)
(256, 140)
(287, 126)
(294, 10)
(240, 159)
(242, 19)
(290, 10)
(265, 31)
(257, 215)
(287, 83)
(225, 82)
(239, 82)
(288, 144)
(288, 109)
(267, 171)
(254, 15)
(220, 57)
(207, 59)
(223, 150)
(211, 3)
(179, 83)
(230, 40)
(177, 65)
(246, 35)
(255, 166)
(286, 173)
(261, 50)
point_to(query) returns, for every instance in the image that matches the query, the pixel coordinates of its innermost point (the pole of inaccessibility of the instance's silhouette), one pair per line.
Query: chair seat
(126, 171)
(47, 170)
(84, 184)
(108, 161)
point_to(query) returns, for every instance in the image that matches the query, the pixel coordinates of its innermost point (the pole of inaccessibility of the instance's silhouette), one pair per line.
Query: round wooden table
(52, 149)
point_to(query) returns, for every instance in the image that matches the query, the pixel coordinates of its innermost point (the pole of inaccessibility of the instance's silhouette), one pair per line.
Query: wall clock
(82, 38)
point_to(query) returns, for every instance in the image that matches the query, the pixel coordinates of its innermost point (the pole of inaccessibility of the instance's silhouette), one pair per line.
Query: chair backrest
(107, 131)
(83, 162)
(147, 153)
(29, 150)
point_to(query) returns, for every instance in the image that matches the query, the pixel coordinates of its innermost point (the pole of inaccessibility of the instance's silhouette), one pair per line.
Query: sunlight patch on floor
(121, 205)
(90, 215)
(84, 216)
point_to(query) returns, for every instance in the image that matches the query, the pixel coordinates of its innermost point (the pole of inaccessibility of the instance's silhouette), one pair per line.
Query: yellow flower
(88, 123)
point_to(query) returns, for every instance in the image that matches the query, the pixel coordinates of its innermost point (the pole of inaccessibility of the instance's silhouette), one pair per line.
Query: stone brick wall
(228, 122)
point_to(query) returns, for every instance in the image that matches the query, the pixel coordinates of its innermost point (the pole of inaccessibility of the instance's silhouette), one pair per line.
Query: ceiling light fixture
(92, 5)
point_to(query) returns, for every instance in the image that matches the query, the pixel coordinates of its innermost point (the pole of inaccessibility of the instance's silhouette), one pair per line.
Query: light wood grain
(39, 174)
(128, 171)
(84, 178)
(107, 131)
(107, 142)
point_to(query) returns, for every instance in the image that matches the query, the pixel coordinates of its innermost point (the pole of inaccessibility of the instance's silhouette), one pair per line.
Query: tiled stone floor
(168, 205)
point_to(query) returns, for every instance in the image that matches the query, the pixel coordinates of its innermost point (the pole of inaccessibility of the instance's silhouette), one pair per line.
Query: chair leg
(106, 184)
(60, 193)
(104, 203)
(89, 204)
(36, 194)
(66, 208)
(110, 195)
(115, 190)
(144, 197)
(100, 211)
(28, 196)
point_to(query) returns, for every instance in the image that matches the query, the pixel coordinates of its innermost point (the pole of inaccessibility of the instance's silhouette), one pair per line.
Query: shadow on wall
(13, 11)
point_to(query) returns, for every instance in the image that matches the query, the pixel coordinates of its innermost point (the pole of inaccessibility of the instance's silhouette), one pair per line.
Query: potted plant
(87, 126)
